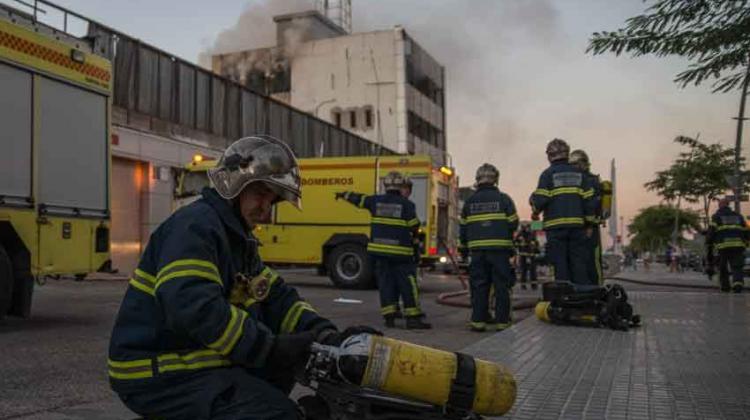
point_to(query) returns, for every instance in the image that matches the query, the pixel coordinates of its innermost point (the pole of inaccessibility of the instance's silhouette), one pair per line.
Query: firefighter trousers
(487, 270)
(594, 264)
(731, 260)
(568, 251)
(231, 393)
(397, 279)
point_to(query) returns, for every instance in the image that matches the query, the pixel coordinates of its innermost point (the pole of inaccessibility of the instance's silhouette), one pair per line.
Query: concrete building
(380, 85)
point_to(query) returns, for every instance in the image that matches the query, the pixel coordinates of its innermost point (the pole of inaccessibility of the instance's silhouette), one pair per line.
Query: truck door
(73, 174)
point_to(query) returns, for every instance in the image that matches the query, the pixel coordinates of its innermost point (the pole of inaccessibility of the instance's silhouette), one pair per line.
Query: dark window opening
(368, 118)
(427, 132)
(337, 119)
(353, 119)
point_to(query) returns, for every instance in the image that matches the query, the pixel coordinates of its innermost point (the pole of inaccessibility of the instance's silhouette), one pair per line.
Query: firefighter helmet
(395, 181)
(487, 174)
(557, 149)
(580, 159)
(259, 158)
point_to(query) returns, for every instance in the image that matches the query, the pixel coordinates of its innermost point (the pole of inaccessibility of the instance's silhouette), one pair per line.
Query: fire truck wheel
(6, 282)
(349, 267)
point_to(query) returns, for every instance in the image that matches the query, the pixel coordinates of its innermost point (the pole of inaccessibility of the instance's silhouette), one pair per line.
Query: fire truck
(332, 235)
(54, 165)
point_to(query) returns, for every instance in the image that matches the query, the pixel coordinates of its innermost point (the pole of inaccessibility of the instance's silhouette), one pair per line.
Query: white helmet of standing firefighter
(580, 160)
(487, 174)
(557, 149)
(395, 181)
(259, 158)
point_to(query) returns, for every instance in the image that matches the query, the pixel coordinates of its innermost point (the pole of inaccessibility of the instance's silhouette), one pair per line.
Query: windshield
(192, 184)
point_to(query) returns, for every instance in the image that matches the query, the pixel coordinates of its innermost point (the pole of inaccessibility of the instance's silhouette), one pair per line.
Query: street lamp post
(738, 181)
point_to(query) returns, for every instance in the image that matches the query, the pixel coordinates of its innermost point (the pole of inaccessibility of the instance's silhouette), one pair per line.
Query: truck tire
(350, 267)
(6, 282)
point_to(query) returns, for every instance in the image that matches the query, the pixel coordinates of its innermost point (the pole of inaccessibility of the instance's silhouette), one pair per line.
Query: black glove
(290, 350)
(340, 195)
(335, 338)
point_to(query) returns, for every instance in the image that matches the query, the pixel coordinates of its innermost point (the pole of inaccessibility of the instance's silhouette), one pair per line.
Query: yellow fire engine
(332, 235)
(54, 165)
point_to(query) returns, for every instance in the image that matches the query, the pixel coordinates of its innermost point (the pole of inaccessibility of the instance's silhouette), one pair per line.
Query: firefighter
(394, 248)
(488, 221)
(565, 196)
(528, 249)
(205, 329)
(580, 160)
(728, 235)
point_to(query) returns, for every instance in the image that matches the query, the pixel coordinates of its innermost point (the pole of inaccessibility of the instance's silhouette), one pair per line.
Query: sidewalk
(689, 361)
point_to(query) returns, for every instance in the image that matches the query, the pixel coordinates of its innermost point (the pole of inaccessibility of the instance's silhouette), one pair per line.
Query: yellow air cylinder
(426, 374)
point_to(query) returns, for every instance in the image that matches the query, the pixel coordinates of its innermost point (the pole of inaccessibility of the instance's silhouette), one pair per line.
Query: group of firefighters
(206, 330)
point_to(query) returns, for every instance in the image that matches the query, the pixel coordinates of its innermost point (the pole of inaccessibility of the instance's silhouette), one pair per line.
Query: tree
(652, 228)
(698, 175)
(712, 35)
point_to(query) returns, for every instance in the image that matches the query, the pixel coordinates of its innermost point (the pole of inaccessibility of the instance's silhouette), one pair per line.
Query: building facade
(380, 85)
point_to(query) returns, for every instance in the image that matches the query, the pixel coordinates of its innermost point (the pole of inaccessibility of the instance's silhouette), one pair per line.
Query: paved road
(53, 365)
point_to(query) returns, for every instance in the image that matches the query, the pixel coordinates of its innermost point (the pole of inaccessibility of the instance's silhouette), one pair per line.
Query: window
(353, 118)
(368, 118)
(336, 118)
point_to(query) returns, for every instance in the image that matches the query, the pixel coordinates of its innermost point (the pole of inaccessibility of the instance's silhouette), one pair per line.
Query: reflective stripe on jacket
(199, 299)
(727, 230)
(488, 220)
(565, 196)
(393, 226)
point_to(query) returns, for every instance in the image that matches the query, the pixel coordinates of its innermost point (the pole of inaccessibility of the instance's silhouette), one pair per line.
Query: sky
(517, 76)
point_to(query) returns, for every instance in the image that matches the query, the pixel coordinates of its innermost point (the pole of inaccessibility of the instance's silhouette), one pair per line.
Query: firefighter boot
(390, 320)
(737, 287)
(416, 323)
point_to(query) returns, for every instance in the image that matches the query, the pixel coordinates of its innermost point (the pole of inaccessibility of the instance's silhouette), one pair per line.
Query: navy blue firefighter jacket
(394, 224)
(488, 220)
(200, 299)
(565, 195)
(727, 230)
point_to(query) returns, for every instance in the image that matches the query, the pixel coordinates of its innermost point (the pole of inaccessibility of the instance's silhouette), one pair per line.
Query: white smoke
(254, 29)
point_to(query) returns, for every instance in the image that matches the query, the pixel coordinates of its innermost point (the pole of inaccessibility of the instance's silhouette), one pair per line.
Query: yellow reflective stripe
(190, 262)
(142, 287)
(189, 273)
(293, 315)
(490, 242)
(486, 216)
(386, 310)
(462, 221)
(513, 217)
(412, 312)
(588, 193)
(143, 281)
(390, 249)
(733, 243)
(132, 369)
(592, 219)
(413, 222)
(389, 221)
(232, 332)
(200, 359)
(543, 192)
(570, 190)
(564, 221)
(362, 201)
(415, 293)
(730, 227)
(478, 324)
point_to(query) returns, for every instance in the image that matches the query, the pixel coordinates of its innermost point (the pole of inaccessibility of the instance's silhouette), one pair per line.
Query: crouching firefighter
(393, 247)
(728, 235)
(566, 198)
(488, 221)
(205, 330)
